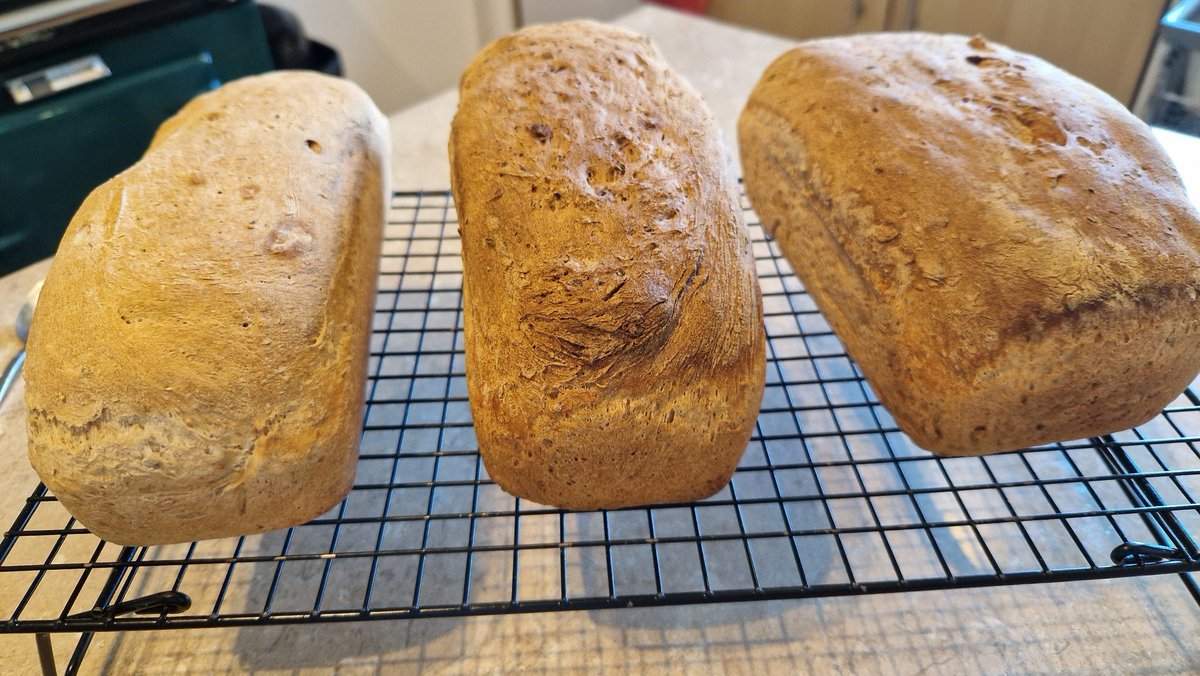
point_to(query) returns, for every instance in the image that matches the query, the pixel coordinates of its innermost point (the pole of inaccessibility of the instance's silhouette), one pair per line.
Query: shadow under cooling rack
(829, 499)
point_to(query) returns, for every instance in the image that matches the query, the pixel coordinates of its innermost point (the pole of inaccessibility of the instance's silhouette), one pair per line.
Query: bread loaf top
(201, 302)
(613, 221)
(1007, 196)
(614, 339)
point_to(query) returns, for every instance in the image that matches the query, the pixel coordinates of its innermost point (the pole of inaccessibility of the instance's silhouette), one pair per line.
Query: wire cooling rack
(830, 499)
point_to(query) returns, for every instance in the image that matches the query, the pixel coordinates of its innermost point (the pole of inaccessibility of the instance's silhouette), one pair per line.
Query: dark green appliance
(82, 94)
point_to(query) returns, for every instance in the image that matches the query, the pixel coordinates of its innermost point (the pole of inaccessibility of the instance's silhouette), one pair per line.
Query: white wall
(545, 11)
(403, 51)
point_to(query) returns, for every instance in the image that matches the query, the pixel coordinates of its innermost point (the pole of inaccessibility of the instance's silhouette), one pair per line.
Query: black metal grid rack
(830, 499)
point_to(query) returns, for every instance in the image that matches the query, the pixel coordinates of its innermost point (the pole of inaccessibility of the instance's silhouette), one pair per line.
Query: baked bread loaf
(197, 360)
(1005, 250)
(613, 323)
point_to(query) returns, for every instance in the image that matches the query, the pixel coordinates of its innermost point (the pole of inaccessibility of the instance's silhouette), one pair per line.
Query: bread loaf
(614, 340)
(197, 360)
(1005, 250)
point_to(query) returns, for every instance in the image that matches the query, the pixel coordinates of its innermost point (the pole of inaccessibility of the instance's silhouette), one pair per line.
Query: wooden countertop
(1145, 625)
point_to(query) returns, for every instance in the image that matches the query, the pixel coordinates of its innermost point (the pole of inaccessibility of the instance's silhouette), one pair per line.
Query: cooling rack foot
(46, 654)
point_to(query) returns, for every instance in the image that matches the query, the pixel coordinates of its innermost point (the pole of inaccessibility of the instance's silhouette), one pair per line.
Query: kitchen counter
(1146, 624)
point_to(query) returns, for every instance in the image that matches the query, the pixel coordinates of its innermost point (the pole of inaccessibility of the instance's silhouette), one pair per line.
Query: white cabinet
(804, 18)
(1105, 42)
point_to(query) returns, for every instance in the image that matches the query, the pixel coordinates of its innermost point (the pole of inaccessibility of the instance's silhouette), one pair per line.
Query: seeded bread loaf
(1004, 249)
(614, 339)
(197, 360)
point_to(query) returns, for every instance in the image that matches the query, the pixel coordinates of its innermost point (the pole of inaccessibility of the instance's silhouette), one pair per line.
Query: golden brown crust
(615, 350)
(197, 361)
(1002, 247)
